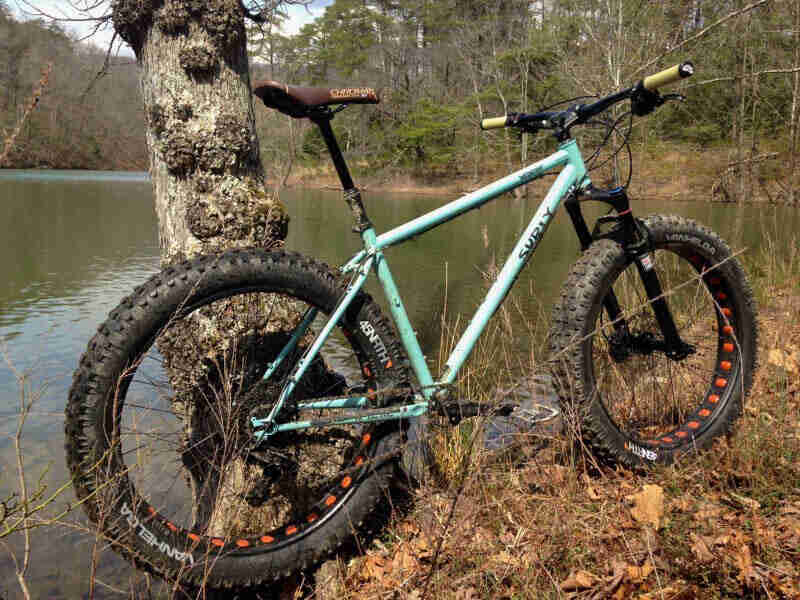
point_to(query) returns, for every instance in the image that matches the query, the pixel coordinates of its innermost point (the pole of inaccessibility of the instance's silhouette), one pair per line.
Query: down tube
(511, 269)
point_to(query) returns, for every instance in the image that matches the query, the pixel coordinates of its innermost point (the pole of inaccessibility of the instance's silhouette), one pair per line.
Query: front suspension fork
(635, 240)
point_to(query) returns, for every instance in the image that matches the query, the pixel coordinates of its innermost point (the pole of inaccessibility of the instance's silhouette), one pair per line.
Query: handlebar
(540, 120)
(643, 90)
(667, 76)
(495, 122)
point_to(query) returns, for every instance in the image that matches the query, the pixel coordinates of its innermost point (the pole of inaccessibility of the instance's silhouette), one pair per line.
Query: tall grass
(547, 523)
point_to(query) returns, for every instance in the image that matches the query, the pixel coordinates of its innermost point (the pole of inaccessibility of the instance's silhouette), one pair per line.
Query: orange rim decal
(727, 311)
(171, 526)
(727, 330)
(693, 425)
(704, 412)
(242, 543)
(359, 461)
(312, 517)
(194, 537)
(666, 440)
(389, 365)
(722, 296)
(681, 434)
(728, 347)
(725, 365)
(713, 398)
(347, 481)
(366, 438)
(291, 529)
(267, 539)
(720, 382)
(330, 500)
(218, 542)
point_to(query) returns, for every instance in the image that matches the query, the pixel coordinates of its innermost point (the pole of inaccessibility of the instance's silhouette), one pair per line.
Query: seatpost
(351, 194)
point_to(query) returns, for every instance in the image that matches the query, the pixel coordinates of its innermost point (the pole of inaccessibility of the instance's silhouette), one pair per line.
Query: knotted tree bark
(204, 157)
(209, 190)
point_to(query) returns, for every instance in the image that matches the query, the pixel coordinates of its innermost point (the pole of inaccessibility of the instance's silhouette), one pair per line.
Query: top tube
(568, 153)
(473, 200)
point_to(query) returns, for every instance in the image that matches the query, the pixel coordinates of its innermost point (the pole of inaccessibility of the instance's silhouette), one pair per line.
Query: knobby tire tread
(121, 336)
(573, 320)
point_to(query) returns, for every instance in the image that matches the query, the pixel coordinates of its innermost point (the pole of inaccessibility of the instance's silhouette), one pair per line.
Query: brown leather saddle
(299, 102)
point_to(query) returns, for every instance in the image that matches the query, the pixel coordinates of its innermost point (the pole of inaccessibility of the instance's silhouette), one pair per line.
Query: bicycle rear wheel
(158, 429)
(631, 402)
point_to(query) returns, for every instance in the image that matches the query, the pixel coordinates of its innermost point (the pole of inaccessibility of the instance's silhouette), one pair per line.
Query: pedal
(536, 411)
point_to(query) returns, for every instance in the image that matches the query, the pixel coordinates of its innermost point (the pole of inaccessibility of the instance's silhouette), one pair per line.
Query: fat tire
(130, 327)
(573, 331)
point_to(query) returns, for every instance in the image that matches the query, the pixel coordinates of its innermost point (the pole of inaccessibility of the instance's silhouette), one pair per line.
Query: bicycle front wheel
(631, 402)
(158, 428)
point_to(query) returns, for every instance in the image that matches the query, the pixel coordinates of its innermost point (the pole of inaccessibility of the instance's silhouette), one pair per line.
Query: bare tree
(794, 120)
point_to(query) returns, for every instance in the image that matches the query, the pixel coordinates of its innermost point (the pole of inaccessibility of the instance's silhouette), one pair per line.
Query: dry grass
(662, 171)
(549, 524)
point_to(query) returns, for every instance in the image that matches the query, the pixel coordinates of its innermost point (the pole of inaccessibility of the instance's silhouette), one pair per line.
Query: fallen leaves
(744, 501)
(744, 562)
(579, 580)
(622, 581)
(788, 359)
(727, 518)
(638, 574)
(707, 511)
(700, 548)
(648, 505)
(391, 567)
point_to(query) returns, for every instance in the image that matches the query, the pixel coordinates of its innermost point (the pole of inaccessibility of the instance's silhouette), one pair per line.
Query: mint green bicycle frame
(572, 176)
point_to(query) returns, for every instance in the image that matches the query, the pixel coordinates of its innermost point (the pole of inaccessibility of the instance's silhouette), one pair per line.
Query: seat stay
(308, 357)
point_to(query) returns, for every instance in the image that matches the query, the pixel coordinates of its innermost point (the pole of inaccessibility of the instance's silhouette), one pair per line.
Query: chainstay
(373, 395)
(368, 414)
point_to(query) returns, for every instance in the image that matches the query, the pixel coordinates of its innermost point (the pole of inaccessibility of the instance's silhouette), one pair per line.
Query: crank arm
(457, 411)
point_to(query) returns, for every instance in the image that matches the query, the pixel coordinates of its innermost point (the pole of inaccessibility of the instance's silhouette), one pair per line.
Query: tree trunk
(209, 189)
(794, 119)
(204, 157)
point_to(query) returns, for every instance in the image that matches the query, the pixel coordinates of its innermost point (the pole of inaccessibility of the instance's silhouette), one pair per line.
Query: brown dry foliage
(724, 524)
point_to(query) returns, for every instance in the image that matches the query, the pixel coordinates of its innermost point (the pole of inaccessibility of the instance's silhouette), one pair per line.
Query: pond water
(75, 243)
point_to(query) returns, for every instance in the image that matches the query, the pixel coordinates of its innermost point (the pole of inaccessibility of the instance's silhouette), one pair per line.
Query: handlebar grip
(494, 122)
(670, 75)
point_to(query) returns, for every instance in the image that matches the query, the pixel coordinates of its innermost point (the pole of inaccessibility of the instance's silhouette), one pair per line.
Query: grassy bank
(662, 171)
(551, 524)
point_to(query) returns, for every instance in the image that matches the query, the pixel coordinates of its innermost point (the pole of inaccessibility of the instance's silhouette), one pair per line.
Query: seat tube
(351, 194)
(401, 320)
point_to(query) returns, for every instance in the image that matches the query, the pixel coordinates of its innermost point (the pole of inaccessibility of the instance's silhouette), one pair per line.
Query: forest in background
(442, 67)
(89, 117)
